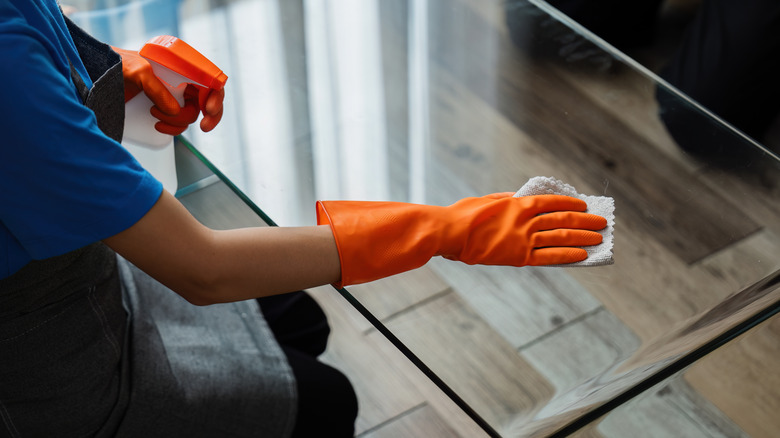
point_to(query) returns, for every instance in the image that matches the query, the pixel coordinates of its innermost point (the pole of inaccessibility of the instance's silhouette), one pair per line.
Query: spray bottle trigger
(180, 58)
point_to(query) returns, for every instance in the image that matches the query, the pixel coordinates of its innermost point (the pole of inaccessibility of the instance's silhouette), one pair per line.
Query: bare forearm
(268, 261)
(206, 266)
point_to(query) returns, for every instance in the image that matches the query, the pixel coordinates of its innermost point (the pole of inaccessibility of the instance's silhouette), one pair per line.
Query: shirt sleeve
(63, 183)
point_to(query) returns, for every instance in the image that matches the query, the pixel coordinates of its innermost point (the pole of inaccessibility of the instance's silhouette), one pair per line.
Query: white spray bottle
(177, 65)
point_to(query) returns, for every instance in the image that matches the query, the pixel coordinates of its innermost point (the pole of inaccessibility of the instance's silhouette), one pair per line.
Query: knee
(326, 398)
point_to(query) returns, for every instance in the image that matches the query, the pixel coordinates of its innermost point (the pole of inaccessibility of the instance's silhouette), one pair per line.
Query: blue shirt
(63, 183)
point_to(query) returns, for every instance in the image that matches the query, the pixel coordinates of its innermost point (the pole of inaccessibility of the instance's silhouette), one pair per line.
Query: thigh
(297, 321)
(326, 399)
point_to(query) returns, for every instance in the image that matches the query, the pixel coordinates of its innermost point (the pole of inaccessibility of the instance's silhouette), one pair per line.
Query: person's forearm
(273, 260)
(206, 266)
(375, 240)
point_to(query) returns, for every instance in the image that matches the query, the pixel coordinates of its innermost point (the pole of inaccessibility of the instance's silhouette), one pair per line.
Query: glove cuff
(379, 239)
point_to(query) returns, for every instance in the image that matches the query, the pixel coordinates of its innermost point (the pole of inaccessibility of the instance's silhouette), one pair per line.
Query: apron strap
(106, 98)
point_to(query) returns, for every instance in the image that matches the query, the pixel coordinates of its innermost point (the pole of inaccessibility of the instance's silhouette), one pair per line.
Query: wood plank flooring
(515, 342)
(647, 182)
(394, 395)
(609, 316)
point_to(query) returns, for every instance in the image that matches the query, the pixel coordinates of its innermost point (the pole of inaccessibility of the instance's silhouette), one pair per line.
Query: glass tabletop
(691, 402)
(430, 101)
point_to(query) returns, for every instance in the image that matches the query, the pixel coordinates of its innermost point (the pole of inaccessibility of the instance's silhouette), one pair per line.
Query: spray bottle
(176, 64)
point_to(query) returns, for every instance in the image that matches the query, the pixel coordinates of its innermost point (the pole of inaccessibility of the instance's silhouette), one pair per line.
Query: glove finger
(158, 93)
(191, 92)
(210, 121)
(186, 116)
(568, 219)
(556, 256)
(175, 125)
(559, 238)
(214, 101)
(212, 109)
(549, 203)
(169, 129)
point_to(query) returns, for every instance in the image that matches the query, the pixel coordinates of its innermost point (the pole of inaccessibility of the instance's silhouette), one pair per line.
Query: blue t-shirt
(63, 183)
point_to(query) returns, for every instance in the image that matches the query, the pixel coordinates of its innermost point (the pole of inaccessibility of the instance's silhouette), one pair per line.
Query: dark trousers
(327, 403)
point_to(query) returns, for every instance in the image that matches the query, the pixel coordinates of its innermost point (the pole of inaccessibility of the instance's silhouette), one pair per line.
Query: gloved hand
(379, 239)
(175, 124)
(139, 76)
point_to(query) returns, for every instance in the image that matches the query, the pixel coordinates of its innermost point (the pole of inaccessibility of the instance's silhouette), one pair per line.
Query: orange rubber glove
(177, 123)
(139, 76)
(379, 239)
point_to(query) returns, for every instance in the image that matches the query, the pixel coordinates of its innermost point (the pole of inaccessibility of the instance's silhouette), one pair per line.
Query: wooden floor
(510, 351)
(516, 342)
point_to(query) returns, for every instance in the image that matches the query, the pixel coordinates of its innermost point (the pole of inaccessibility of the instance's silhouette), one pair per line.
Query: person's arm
(206, 266)
(357, 242)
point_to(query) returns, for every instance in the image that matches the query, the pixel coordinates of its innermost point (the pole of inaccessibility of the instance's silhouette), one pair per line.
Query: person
(122, 315)
(727, 60)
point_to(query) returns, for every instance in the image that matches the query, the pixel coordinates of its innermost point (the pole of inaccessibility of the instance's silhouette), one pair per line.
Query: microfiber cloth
(604, 206)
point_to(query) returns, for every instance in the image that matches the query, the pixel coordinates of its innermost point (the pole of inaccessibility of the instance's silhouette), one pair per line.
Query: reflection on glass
(347, 106)
(434, 100)
(728, 393)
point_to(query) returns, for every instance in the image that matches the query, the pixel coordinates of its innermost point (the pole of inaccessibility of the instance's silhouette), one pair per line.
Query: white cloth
(600, 254)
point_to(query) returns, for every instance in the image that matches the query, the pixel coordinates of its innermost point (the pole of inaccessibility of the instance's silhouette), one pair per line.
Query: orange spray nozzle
(179, 57)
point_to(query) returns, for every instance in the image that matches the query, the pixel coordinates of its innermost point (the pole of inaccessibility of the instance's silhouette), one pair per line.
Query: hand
(499, 229)
(175, 124)
(212, 108)
(193, 96)
(378, 239)
(139, 76)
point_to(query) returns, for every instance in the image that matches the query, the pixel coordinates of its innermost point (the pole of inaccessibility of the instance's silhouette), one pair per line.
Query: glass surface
(727, 394)
(432, 101)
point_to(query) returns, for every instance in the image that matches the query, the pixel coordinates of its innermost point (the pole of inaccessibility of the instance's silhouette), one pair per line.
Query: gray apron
(92, 346)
